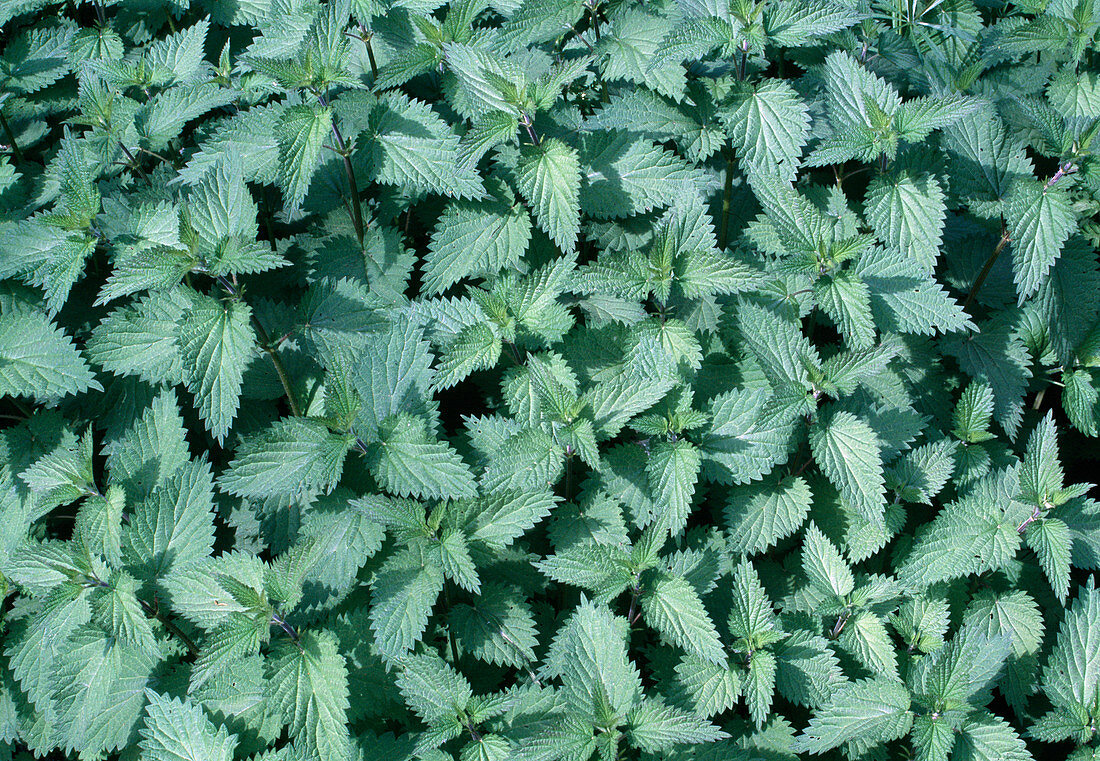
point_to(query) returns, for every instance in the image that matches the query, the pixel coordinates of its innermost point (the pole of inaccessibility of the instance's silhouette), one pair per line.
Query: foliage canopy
(549, 380)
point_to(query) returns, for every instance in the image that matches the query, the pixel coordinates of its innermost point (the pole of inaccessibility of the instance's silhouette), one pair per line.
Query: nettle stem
(450, 631)
(286, 627)
(134, 162)
(349, 172)
(986, 269)
(1038, 511)
(170, 625)
(727, 198)
(15, 152)
(365, 36)
(353, 186)
(1065, 169)
(838, 627)
(270, 349)
(280, 369)
(530, 127)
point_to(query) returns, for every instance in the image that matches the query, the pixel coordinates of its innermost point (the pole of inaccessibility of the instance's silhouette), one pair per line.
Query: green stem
(365, 35)
(134, 162)
(15, 152)
(450, 632)
(370, 55)
(170, 625)
(266, 345)
(280, 368)
(530, 127)
(349, 171)
(986, 269)
(727, 196)
(23, 410)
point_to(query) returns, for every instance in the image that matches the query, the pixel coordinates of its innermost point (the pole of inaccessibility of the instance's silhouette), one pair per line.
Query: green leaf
(760, 514)
(239, 635)
(405, 589)
(164, 117)
(476, 347)
(179, 731)
(1051, 540)
(794, 24)
(37, 359)
(673, 470)
(1041, 472)
(629, 48)
(589, 656)
(1072, 672)
(497, 629)
(174, 526)
(986, 161)
(847, 301)
(673, 608)
(423, 163)
(309, 689)
(475, 238)
(907, 213)
(217, 344)
(905, 300)
(973, 414)
(807, 672)
(969, 536)
(1040, 221)
(962, 673)
(120, 614)
(300, 132)
(759, 686)
(432, 688)
(768, 123)
(35, 59)
(499, 518)
(142, 338)
(294, 457)
(825, 569)
(746, 437)
(997, 357)
(847, 449)
(864, 714)
(626, 175)
(407, 460)
(150, 450)
(865, 637)
(602, 569)
(710, 688)
(101, 691)
(655, 727)
(990, 738)
(548, 177)
(916, 118)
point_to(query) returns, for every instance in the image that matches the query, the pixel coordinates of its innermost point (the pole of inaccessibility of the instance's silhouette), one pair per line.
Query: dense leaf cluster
(549, 380)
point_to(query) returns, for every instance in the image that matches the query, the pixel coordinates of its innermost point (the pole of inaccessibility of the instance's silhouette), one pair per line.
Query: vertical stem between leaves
(986, 269)
(450, 632)
(349, 171)
(15, 152)
(727, 197)
(266, 345)
(280, 368)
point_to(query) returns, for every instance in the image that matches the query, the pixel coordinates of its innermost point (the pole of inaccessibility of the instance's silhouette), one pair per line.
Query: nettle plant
(549, 379)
